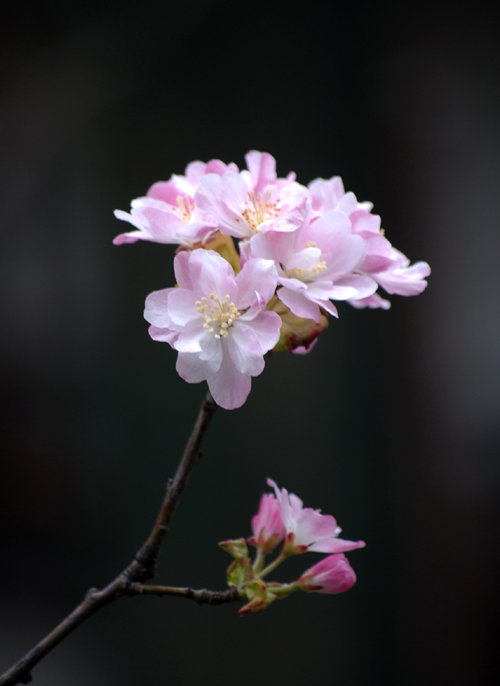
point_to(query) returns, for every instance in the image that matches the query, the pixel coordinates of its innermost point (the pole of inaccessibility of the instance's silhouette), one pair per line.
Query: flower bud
(267, 525)
(333, 574)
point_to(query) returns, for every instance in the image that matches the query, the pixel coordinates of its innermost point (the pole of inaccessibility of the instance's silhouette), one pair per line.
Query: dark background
(391, 424)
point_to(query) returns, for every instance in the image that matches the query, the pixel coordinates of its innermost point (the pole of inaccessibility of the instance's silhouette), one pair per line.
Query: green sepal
(224, 245)
(236, 547)
(259, 596)
(240, 571)
(282, 590)
(295, 331)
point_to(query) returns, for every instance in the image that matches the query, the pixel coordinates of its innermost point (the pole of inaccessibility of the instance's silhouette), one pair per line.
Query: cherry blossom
(168, 213)
(387, 266)
(307, 529)
(252, 202)
(267, 525)
(332, 574)
(316, 264)
(217, 322)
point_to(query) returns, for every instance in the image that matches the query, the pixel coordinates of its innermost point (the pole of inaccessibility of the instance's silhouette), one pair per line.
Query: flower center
(186, 207)
(304, 274)
(257, 211)
(219, 316)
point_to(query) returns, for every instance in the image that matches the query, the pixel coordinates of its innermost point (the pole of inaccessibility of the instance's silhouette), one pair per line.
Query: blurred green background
(391, 424)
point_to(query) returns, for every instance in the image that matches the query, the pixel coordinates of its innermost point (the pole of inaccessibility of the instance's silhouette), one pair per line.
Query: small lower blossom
(333, 574)
(308, 529)
(217, 322)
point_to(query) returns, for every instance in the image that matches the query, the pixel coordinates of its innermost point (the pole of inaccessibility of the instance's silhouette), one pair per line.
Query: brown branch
(200, 596)
(142, 568)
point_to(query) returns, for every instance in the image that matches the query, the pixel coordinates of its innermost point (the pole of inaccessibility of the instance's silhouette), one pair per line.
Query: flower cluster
(282, 517)
(299, 249)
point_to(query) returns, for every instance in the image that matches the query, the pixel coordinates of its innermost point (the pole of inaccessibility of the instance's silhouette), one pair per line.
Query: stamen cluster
(256, 212)
(222, 314)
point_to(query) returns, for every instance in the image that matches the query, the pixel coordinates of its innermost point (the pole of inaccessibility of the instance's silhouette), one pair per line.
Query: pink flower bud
(333, 574)
(267, 525)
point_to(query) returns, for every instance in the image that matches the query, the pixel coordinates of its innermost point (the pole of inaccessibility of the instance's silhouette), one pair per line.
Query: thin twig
(142, 568)
(200, 596)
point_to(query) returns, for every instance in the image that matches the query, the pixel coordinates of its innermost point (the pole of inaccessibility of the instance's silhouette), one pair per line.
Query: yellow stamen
(221, 314)
(258, 211)
(186, 207)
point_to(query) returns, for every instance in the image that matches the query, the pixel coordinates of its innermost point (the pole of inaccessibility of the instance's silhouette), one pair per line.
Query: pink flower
(254, 201)
(267, 525)
(217, 321)
(168, 213)
(387, 266)
(333, 574)
(307, 529)
(384, 264)
(316, 264)
(159, 222)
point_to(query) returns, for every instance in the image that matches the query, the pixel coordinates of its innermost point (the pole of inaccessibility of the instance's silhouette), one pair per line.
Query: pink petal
(353, 286)
(262, 167)
(163, 335)
(245, 350)
(190, 339)
(364, 221)
(312, 525)
(344, 255)
(182, 307)
(216, 276)
(335, 545)
(193, 369)
(183, 269)
(223, 198)
(407, 281)
(299, 304)
(266, 325)
(256, 275)
(228, 386)
(156, 310)
(373, 302)
(169, 191)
